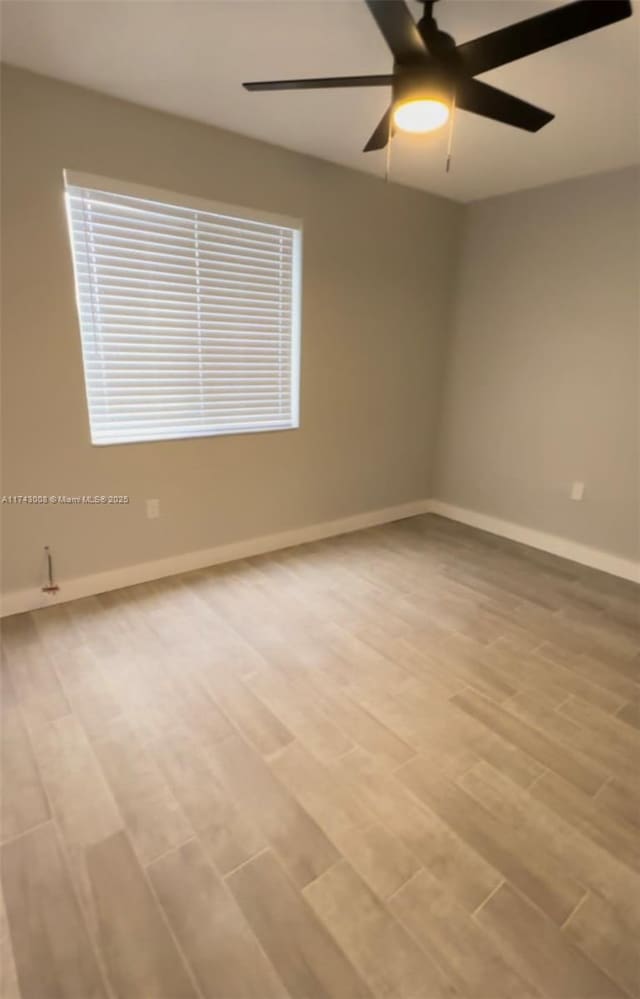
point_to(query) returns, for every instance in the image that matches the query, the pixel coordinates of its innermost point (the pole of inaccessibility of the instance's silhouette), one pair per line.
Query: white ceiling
(191, 57)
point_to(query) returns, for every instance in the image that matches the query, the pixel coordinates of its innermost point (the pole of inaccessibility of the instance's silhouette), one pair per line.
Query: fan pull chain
(450, 139)
(387, 160)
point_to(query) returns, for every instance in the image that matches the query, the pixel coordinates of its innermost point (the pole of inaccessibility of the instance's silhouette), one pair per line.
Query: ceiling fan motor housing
(414, 83)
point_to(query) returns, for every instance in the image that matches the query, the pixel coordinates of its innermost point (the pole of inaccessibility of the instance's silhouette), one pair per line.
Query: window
(189, 313)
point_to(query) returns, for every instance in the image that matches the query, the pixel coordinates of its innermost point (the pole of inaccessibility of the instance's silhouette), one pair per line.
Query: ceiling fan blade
(399, 29)
(479, 97)
(540, 32)
(380, 136)
(322, 83)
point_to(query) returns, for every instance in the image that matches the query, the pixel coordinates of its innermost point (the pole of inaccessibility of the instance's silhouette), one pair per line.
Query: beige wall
(541, 383)
(377, 280)
(542, 373)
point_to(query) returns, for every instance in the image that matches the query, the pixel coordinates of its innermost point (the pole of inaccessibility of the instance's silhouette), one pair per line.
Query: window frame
(74, 178)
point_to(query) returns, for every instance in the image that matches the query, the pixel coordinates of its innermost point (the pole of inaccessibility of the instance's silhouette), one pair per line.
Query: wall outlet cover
(577, 491)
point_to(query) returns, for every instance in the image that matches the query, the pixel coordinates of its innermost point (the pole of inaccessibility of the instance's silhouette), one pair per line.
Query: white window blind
(188, 316)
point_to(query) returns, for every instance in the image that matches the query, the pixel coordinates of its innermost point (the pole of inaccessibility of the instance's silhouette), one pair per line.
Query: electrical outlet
(153, 509)
(577, 491)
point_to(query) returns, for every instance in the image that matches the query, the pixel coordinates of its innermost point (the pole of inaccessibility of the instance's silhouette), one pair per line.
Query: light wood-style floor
(401, 763)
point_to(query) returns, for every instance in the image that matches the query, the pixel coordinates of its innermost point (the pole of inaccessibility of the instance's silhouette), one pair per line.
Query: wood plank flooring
(401, 764)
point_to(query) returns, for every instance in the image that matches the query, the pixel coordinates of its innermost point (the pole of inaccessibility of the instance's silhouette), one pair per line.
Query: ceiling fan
(431, 74)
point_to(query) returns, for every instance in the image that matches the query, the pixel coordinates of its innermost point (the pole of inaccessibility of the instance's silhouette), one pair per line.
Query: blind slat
(151, 220)
(193, 311)
(180, 275)
(107, 234)
(136, 207)
(149, 224)
(181, 281)
(178, 292)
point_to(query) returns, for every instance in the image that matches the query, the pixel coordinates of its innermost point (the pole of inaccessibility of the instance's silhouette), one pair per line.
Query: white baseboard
(115, 579)
(553, 543)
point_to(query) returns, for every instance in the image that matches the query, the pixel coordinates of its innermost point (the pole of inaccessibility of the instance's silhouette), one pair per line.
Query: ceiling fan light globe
(421, 115)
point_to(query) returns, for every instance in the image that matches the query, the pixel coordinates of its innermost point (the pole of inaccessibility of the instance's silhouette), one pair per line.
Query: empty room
(320, 510)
